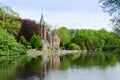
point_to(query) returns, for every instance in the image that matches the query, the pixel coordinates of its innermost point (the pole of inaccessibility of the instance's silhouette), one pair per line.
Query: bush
(83, 47)
(9, 45)
(23, 41)
(73, 46)
(36, 41)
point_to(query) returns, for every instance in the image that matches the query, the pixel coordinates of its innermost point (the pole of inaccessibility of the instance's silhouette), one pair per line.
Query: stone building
(49, 37)
(56, 41)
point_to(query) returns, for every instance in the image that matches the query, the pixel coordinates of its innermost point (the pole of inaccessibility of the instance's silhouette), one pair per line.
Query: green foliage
(98, 44)
(94, 40)
(64, 36)
(22, 40)
(9, 20)
(72, 32)
(84, 38)
(73, 46)
(36, 41)
(9, 45)
(83, 47)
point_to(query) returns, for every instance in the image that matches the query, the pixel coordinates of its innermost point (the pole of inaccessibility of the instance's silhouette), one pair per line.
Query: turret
(43, 28)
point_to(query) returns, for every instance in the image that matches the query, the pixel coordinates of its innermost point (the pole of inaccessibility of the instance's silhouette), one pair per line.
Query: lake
(97, 66)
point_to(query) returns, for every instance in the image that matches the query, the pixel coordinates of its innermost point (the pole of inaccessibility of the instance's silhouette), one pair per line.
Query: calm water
(67, 67)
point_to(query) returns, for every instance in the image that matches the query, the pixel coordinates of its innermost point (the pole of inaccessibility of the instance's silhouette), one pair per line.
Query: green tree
(109, 38)
(64, 36)
(9, 20)
(84, 39)
(72, 32)
(36, 41)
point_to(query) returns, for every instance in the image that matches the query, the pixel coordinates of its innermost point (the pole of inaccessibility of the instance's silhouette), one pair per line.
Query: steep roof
(45, 42)
(42, 20)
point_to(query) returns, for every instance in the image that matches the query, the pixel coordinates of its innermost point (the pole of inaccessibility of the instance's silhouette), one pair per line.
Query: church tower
(42, 28)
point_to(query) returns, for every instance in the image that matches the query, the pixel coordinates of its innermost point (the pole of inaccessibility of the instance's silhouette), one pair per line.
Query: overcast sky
(78, 14)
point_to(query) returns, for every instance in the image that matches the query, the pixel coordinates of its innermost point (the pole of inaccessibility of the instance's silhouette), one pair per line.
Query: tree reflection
(89, 60)
(28, 68)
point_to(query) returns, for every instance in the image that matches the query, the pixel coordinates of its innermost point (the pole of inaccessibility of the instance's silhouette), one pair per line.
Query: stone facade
(56, 41)
(49, 37)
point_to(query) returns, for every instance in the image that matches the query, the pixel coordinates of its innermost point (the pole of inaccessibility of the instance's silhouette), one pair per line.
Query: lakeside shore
(34, 53)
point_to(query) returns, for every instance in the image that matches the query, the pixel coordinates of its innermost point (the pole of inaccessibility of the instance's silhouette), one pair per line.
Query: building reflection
(36, 68)
(49, 63)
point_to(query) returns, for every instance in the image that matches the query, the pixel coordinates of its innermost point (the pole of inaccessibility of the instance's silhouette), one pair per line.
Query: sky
(73, 14)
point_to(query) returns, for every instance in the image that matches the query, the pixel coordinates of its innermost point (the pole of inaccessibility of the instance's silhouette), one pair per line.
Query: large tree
(116, 24)
(64, 36)
(83, 38)
(28, 29)
(9, 20)
(113, 7)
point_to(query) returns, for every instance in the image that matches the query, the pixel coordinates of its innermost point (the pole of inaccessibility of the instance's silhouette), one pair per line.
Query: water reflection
(28, 68)
(89, 60)
(48, 63)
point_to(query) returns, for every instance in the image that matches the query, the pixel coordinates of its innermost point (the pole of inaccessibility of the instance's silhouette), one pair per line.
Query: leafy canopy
(64, 35)
(36, 41)
(9, 20)
(9, 45)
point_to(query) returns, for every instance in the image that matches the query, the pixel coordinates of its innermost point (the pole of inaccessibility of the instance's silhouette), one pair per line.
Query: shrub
(9, 45)
(23, 41)
(73, 46)
(36, 41)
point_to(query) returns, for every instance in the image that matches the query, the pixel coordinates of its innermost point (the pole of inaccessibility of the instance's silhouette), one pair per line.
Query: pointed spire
(42, 20)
